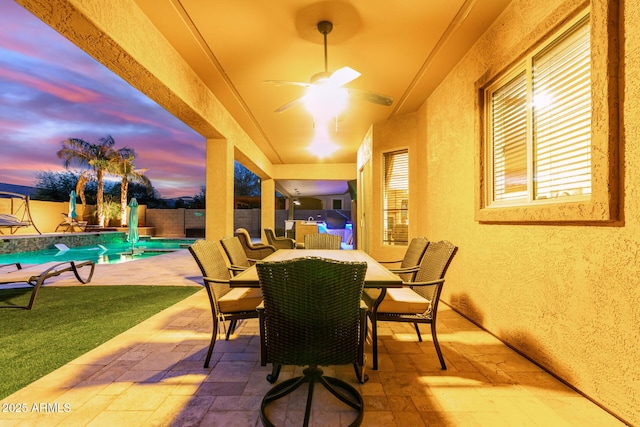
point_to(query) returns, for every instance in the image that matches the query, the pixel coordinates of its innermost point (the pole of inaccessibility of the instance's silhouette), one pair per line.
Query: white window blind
(396, 198)
(562, 116)
(539, 124)
(510, 139)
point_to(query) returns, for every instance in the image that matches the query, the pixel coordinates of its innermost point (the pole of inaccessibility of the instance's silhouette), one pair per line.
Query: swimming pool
(108, 253)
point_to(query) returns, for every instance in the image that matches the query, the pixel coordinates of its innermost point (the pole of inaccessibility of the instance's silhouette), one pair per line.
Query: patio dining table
(377, 276)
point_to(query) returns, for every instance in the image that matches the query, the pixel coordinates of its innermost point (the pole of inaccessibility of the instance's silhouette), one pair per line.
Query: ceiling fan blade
(376, 98)
(289, 105)
(287, 82)
(343, 76)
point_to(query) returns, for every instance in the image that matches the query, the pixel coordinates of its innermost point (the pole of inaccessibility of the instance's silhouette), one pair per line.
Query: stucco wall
(568, 296)
(394, 134)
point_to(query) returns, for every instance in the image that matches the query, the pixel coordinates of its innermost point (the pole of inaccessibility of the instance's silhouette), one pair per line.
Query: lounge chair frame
(19, 211)
(36, 275)
(69, 224)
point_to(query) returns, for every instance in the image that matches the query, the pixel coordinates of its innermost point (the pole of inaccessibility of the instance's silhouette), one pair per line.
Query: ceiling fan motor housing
(325, 27)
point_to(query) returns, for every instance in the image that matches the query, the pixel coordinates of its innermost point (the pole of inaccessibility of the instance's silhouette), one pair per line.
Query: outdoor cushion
(403, 300)
(240, 299)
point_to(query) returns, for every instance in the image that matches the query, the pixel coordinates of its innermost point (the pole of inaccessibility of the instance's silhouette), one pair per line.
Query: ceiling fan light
(325, 100)
(321, 145)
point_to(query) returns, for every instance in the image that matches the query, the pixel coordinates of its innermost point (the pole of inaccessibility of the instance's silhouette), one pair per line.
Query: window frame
(603, 203)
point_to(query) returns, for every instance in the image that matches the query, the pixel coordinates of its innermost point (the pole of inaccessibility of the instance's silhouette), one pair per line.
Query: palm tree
(123, 166)
(76, 151)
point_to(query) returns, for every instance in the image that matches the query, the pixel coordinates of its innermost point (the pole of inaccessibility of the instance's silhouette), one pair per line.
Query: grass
(66, 322)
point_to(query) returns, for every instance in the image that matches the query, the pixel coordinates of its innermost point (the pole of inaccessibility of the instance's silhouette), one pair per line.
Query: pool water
(111, 253)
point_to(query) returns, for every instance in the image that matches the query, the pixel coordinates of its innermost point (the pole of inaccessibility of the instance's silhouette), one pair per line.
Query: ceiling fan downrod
(325, 28)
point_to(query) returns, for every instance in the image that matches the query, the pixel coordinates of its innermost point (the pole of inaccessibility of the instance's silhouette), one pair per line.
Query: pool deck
(176, 268)
(152, 374)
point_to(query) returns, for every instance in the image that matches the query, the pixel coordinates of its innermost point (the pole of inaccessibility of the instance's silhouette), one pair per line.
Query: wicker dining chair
(253, 250)
(227, 303)
(279, 242)
(416, 302)
(236, 254)
(410, 263)
(312, 316)
(322, 241)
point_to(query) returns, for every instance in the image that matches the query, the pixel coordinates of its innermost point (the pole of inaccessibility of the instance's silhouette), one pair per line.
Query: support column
(267, 205)
(219, 192)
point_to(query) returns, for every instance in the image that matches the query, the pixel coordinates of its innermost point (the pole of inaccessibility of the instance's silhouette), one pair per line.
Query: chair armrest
(390, 262)
(405, 269)
(212, 280)
(237, 268)
(430, 283)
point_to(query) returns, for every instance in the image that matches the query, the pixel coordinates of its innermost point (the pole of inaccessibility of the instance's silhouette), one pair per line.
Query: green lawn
(66, 322)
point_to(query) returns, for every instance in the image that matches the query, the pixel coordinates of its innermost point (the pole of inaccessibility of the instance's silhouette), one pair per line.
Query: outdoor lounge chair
(12, 222)
(312, 316)
(226, 303)
(416, 302)
(18, 213)
(69, 224)
(36, 275)
(253, 250)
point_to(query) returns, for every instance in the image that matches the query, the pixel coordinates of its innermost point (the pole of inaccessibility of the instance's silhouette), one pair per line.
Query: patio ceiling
(402, 50)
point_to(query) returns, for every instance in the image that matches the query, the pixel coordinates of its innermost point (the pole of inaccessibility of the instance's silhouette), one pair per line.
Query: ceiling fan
(327, 83)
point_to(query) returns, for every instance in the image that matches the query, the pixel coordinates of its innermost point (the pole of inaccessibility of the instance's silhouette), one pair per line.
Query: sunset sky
(51, 90)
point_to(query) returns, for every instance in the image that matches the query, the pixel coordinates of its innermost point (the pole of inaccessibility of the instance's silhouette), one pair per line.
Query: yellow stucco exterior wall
(568, 296)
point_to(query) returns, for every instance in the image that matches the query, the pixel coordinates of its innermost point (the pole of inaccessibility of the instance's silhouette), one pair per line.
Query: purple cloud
(50, 90)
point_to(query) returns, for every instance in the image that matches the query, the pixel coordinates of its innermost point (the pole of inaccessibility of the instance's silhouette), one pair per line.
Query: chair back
(278, 242)
(312, 310)
(435, 262)
(244, 236)
(413, 256)
(235, 252)
(212, 265)
(270, 234)
(322, 241)
(253, 251)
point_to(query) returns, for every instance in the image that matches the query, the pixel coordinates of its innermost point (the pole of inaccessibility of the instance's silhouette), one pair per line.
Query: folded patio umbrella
(132, 234)
(72, 205)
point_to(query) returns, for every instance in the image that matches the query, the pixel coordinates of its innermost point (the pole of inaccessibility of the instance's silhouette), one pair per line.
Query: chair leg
(214, 334)
(374, 342)
(340, 389)
(360, 374)
(418, 332)
(437, 345)
(275, 373)
(232, 327)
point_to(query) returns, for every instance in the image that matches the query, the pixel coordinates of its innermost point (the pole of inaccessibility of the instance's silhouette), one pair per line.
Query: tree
(199, 200)
(245, 182)
(122, 166)
(98, 157)
(55, 186)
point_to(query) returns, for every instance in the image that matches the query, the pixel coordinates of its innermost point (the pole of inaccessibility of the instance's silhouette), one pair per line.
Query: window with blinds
(539, 124)
(395, 198)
